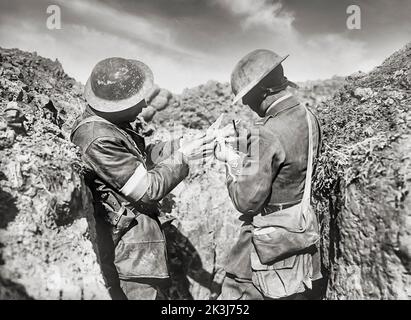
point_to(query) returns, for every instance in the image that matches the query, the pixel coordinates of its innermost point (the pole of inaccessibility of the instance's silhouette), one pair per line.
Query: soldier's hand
(197, 147)
(225, 153)
(226, 132)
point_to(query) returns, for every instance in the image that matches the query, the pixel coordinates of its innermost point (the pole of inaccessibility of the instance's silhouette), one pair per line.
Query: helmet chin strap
(269, 91)
(271, 95)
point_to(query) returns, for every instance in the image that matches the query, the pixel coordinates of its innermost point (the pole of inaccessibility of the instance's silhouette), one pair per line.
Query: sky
(188, 42)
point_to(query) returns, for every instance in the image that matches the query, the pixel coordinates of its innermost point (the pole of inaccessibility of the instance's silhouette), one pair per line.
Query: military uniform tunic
(127, 180)
(273, 174)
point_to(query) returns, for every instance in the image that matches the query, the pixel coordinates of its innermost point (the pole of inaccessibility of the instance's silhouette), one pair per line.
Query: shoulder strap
(100, 119)
(87, 120)
(307, 189)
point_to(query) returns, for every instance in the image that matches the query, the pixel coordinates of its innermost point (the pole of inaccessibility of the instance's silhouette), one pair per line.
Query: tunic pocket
(282, 278)
(141, 251)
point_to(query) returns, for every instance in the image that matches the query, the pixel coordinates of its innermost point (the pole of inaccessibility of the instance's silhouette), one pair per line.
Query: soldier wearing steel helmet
(128, 178)
(268, 178)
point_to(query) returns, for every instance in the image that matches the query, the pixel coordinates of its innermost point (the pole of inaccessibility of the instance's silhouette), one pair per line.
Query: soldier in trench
(270, 183)
(128, 178)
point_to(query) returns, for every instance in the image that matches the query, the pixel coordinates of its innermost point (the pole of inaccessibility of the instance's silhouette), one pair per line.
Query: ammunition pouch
(116, 211)
(119, 221)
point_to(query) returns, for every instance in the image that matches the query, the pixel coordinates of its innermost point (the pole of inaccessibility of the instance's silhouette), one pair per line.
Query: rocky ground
(363, 182)
(46, 222)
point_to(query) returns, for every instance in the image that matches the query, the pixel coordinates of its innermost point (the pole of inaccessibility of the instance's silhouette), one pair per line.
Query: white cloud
(79, 48)
(95, 14)
(311, 56)
(320, 57)
(93, 31)
(261, 12)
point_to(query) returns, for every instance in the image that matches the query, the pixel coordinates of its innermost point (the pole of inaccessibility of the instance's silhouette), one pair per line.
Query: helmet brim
(111, 106)
(253, 83)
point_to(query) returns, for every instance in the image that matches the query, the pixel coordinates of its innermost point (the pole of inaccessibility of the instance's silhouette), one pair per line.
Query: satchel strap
(87, 120)
(308, 176)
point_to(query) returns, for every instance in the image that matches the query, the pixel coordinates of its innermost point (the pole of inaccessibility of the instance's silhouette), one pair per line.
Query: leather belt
(274, 207)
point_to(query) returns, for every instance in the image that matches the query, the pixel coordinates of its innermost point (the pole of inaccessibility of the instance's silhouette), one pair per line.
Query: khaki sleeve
(118, 167)
(158, 152)
(249, 182)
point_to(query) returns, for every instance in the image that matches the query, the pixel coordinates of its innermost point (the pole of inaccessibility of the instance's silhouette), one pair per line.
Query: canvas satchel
(287, 232)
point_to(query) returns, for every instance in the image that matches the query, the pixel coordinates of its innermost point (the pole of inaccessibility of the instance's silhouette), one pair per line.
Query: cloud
(326, 55)
(187, 42)
(97, 16)
(92, 31)
(261, 13)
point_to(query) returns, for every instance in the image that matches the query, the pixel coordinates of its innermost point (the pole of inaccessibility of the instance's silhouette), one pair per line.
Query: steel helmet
(116, 84)
(251, 69)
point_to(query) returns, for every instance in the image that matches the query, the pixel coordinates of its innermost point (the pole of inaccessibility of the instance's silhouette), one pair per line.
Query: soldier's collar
(281, 104)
